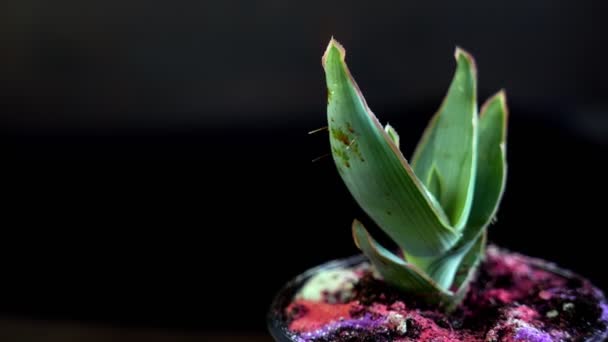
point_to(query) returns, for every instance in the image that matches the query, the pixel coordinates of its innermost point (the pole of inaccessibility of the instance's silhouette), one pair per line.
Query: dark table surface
(25, 330)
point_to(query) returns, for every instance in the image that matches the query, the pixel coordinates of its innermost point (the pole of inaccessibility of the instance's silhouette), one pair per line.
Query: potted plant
(440, 282)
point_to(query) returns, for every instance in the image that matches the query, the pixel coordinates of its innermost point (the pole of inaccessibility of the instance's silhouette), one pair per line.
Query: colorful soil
(512, 299)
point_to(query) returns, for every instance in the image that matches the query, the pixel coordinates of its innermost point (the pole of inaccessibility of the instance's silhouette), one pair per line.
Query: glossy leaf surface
(374, 170)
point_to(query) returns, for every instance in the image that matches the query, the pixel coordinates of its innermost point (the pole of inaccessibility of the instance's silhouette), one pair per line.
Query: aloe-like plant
(437, 207)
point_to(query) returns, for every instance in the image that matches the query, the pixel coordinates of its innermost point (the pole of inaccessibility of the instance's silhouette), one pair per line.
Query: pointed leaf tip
(449, 143)
(460, 52)
(501, 97)
(333, 47)
(502, 94)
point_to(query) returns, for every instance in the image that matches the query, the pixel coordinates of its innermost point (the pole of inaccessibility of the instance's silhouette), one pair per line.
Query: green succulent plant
(437, 207)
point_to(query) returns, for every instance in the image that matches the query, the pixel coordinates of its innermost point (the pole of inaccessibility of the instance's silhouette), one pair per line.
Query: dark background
(156, 167)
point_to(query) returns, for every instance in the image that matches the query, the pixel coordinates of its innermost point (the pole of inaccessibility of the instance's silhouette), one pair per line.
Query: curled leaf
(374, 170)
(449, 144)
(491, 160)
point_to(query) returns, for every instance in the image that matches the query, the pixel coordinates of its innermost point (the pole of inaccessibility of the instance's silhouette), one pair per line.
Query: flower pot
(540, 311)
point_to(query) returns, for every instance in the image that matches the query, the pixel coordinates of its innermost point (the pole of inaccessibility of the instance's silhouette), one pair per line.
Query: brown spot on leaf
(339, 135)
(355, 148)
(349, 142)
(342, 155)
(350, 127)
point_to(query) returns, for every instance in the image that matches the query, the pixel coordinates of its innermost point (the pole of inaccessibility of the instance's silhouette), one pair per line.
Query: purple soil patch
(514, 298)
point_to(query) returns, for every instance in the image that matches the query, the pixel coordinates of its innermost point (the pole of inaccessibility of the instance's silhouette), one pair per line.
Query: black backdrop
(157, 168)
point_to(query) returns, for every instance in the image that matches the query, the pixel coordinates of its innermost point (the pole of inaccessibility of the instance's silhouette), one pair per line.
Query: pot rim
(275, 319)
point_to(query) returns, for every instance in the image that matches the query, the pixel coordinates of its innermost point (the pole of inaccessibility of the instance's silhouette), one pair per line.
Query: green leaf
(374, 170)
(444, 268)
(468, 265)
(396, 271)
(491, 160)
(392, 133)
(448, 145)
(489, 186)
(434, 183)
